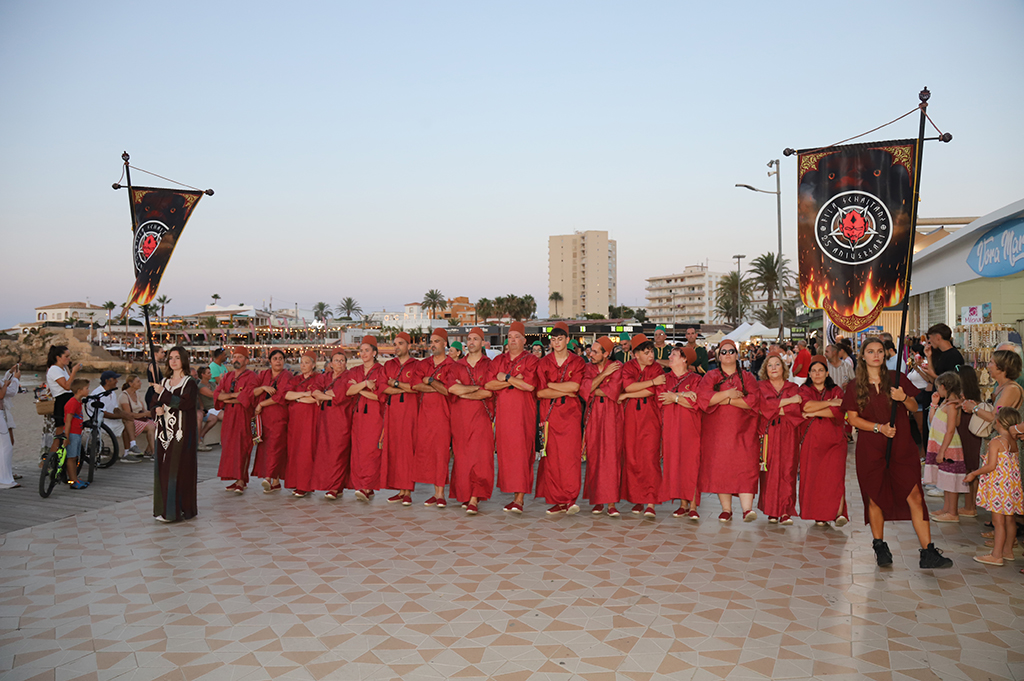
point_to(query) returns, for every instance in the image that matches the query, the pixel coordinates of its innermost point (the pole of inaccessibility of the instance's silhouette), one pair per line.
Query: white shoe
(935, 492)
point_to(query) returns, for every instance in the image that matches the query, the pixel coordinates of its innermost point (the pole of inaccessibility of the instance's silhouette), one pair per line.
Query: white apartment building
(685, 297)
(413, 317)
(583, 268)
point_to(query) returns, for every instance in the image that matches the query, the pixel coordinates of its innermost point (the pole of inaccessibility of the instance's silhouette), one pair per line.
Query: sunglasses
(727, 352)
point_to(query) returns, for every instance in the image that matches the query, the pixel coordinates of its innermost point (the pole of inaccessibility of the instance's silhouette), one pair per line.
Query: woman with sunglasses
(730, 399)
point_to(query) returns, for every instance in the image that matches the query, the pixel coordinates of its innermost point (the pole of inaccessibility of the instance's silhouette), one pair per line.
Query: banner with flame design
(854, 228)
(160, 217)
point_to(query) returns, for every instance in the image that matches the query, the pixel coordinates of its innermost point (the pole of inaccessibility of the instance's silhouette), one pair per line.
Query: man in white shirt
(838, 369)
(112, 412)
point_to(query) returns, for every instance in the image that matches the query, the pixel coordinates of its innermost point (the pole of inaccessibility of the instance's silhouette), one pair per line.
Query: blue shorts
(74, 446)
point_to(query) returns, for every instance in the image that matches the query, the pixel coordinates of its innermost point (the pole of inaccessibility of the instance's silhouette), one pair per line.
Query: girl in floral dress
(944, 462)
(1000, 489)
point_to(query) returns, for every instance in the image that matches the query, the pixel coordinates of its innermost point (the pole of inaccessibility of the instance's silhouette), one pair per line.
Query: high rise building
(685, 297)
(582, 268)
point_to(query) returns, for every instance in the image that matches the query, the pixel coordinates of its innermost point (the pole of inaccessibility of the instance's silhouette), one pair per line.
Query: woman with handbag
(1004, 368)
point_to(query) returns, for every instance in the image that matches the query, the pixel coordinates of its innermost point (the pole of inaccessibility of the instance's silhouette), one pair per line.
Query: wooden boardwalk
(23, 507)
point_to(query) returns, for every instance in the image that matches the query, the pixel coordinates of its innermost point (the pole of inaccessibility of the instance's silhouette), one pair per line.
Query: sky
(381, 149)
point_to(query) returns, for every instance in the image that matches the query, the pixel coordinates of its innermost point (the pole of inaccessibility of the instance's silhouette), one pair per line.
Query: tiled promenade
(268, 586)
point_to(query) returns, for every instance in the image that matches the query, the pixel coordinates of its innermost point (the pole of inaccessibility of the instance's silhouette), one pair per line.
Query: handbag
(979, 426)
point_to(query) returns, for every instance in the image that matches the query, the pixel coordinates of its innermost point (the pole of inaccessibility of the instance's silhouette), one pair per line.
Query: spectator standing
(7, 480)
(13, 380)
(58, 381)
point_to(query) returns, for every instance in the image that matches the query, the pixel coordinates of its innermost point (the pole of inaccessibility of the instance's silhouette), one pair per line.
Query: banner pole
(924, 96)
(145, 308)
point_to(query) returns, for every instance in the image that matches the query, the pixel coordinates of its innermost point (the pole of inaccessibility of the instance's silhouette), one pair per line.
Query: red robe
(515, 427)
(822, 460)
(729, 454)
(367, 425)
(472, 433)
(433, 426)
(400, 425)
(602, 437)
(641, 435)
(236, 429)
(334, 434)
(887, 485)
(303, 435)
(559, 472)
(778, 483)
(272, 452)
(680, 441)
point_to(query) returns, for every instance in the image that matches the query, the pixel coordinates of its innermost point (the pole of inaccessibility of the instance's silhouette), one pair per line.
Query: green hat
(536, 342)
(624, 336)
(457, 345)
(573, 345)
(659, 327)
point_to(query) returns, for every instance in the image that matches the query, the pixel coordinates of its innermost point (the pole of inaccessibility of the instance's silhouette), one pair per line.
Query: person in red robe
(271, 411)
(822, 448)
(401, 403)
(366, 384)
(515, 423)
(472, 417)
(890, 486)
(729, 462)
(602, 427)
(433, 425)
(234, 395)
(641, 427)
(334, 427)
(680, 433)
(781, 417)
(303, 426)
(559, 374)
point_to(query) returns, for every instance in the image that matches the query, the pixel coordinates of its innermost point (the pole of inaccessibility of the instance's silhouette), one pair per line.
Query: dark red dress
(367, 425)
(472, 433)
(272, 451)
(680, 441)
(729, 454)
(559, 471)
(780, 449)
(303, 427)
(641, 436)
(602, 437)
(400, 425)
(888, 485)
(823, 460)
(515, 423)
(334, 434)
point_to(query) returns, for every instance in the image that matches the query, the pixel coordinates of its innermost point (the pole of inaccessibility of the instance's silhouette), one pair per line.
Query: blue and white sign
(1000, 252)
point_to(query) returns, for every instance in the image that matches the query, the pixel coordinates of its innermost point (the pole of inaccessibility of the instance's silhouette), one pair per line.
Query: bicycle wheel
(48, 474)
(109, 451)
(90, 453)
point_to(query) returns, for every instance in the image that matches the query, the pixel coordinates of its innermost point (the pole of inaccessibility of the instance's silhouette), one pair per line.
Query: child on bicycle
(73, 431)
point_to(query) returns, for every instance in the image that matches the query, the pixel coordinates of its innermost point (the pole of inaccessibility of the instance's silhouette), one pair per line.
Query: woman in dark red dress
(303, 416)
(680, 433)
(822, 448)
(366, 384)
(729, 461)
(891, 489)
(272, 414)
(641, 428)
(334, 433)
(780, 419)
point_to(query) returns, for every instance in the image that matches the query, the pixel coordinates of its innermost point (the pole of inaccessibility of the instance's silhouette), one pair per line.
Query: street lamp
(739, 291)
(778, 200)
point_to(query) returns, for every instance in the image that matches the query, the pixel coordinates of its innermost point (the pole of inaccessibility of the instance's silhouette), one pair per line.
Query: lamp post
(778, 203)
(739, 291)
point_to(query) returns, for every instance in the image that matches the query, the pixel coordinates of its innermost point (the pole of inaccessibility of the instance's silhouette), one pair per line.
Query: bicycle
(52, 471)
(99, 445)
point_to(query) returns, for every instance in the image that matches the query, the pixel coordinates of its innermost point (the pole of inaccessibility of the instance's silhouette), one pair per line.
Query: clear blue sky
(380, 149)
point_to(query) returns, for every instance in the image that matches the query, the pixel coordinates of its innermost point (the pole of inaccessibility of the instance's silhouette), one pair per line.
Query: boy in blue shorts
(73, 430)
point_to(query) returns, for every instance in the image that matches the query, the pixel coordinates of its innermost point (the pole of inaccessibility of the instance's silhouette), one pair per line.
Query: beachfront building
(685, 297)
(71, 312)
(583, 270)
(461, 310)
(413, 317)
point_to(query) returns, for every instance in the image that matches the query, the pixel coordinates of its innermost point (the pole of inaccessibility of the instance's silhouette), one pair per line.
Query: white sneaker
(935, 492)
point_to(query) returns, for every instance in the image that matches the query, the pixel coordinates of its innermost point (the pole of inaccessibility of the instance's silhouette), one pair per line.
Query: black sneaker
(883, 556)
(932, 558)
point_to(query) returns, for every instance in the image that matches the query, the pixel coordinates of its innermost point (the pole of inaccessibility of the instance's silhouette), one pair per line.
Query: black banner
(160, 217)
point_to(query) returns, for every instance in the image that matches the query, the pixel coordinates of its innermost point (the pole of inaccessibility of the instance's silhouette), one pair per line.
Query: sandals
(988, 560)
(79, 484)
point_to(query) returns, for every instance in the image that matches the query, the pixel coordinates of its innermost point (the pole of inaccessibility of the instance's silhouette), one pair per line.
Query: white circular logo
(853, 228)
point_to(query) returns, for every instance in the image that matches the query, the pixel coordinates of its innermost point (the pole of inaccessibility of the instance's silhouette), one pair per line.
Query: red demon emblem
(853, 226)
(148, 245)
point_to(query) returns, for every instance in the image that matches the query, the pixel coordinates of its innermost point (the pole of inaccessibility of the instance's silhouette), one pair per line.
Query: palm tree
(322, 311)
(454, 321)
(640, 316)
(484, 309)
(162, 301)
(527, 306)
(555, 298)
(349, 307)
(770, 277)
(109, 307)
(216, 297)
(434, 300)
(725, 297)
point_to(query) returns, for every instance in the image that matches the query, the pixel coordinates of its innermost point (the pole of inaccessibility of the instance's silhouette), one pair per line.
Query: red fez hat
(311, 354)
(338, 351)
(818, 358)
(606, 343)
(517, 326)
(369, 340)
(727, 341)
(440, 333)
(477, 331)
(404, 336)
(690, 354)
(561, 326)
(240, 350)
(638, 340)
